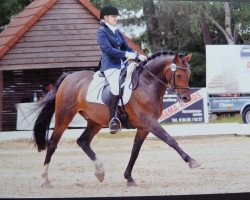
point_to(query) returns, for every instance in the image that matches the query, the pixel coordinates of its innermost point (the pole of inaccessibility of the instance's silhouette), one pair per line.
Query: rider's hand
(130, 55)
(142, 57)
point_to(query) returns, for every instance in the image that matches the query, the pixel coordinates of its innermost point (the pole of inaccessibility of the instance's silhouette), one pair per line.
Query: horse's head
(177, 74)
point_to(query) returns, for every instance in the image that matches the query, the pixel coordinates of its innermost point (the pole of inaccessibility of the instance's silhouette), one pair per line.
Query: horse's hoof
(99, 170)
(46, 185)
(193, 164)
(99, 176)
(131, 183)
(113, 131)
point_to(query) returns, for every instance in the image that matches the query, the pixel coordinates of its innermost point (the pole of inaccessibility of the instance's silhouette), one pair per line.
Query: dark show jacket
(113, 46)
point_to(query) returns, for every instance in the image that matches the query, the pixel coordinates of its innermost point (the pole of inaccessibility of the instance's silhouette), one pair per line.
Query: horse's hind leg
(84, 142)
(62, 122)
(138, 141)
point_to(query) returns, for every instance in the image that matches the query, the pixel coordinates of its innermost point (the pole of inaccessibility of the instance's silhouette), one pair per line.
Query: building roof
(52, 34)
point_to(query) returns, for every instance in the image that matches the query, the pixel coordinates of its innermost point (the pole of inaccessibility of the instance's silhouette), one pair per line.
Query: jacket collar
(107, 27)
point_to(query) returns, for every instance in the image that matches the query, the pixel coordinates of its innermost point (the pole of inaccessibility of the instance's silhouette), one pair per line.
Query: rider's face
(111, 19)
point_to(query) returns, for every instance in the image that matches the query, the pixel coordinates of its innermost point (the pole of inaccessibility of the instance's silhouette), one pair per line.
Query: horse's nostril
(184, 98)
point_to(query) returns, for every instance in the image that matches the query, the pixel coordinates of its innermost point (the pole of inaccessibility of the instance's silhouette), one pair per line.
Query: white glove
(130, 55)
(142, 57)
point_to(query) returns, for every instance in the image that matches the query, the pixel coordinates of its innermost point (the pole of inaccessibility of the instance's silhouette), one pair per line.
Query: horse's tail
(42, 123)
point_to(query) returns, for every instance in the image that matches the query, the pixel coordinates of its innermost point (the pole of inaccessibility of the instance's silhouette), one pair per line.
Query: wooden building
(49, 37)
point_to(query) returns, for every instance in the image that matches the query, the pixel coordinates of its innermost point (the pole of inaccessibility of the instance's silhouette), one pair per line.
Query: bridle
(173, 68)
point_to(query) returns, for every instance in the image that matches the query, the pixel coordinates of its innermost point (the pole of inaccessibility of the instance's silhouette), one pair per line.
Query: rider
(115, 50)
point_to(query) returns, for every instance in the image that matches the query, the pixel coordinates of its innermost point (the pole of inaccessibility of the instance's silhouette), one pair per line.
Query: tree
(229, 22)
(153, 31)
(204, 26)
(226, 30)
(9, 8)
(241, 21)
(181, 26)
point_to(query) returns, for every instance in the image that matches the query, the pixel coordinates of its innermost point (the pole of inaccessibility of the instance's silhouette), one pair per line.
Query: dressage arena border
(224, 156)
(173, 130)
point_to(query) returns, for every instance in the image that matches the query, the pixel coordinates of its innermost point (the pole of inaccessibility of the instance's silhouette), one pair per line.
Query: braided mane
(157, 54)
(136, 73)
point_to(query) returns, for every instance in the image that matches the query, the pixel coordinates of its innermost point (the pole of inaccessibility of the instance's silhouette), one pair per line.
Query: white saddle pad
(94, 93)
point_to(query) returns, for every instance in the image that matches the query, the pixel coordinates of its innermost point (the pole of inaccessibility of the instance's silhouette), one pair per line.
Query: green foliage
(241, 21)
(125, 4)
(8, 8)
(96, 3)
(179, 25)
(228, 118)
(198, 68)
(180, 28)
(129, 5)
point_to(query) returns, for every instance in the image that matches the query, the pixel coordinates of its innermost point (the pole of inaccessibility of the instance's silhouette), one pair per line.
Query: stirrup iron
(114, 125)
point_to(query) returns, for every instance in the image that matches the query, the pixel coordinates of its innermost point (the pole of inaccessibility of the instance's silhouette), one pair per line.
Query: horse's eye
(178, 75)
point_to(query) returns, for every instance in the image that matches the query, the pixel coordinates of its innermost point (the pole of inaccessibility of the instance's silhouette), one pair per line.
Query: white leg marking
(99, 170)
(46, 182)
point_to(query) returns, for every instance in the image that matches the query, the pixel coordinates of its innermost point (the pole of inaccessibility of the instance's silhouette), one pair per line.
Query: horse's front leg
(139, 139)
(155, 128)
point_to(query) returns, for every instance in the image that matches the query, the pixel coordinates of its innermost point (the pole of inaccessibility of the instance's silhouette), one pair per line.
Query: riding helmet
(108, 10)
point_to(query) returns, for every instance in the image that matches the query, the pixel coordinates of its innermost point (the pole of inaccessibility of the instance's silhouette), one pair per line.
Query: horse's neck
(157, 65)
(156, 78)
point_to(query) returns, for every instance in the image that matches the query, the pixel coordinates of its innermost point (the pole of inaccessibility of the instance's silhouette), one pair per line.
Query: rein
(156, 77)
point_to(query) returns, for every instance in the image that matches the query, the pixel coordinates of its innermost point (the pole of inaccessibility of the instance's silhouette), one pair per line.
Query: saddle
(99, 91)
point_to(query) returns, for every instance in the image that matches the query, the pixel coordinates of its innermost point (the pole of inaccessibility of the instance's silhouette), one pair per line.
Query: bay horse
(160, 71)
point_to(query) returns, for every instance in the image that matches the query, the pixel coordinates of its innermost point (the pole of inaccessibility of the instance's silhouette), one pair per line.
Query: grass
(226, 118)
(223, 118)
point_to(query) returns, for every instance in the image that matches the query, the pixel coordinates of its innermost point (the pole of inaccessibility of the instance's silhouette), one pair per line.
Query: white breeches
(112, 76)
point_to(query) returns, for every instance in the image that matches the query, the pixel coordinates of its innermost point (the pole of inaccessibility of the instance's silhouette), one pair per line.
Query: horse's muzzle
(185, 97)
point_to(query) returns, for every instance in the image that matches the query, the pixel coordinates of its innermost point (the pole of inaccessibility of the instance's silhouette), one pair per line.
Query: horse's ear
(188, 57)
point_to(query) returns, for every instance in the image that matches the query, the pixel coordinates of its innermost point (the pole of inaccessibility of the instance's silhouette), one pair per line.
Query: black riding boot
(114, 125)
